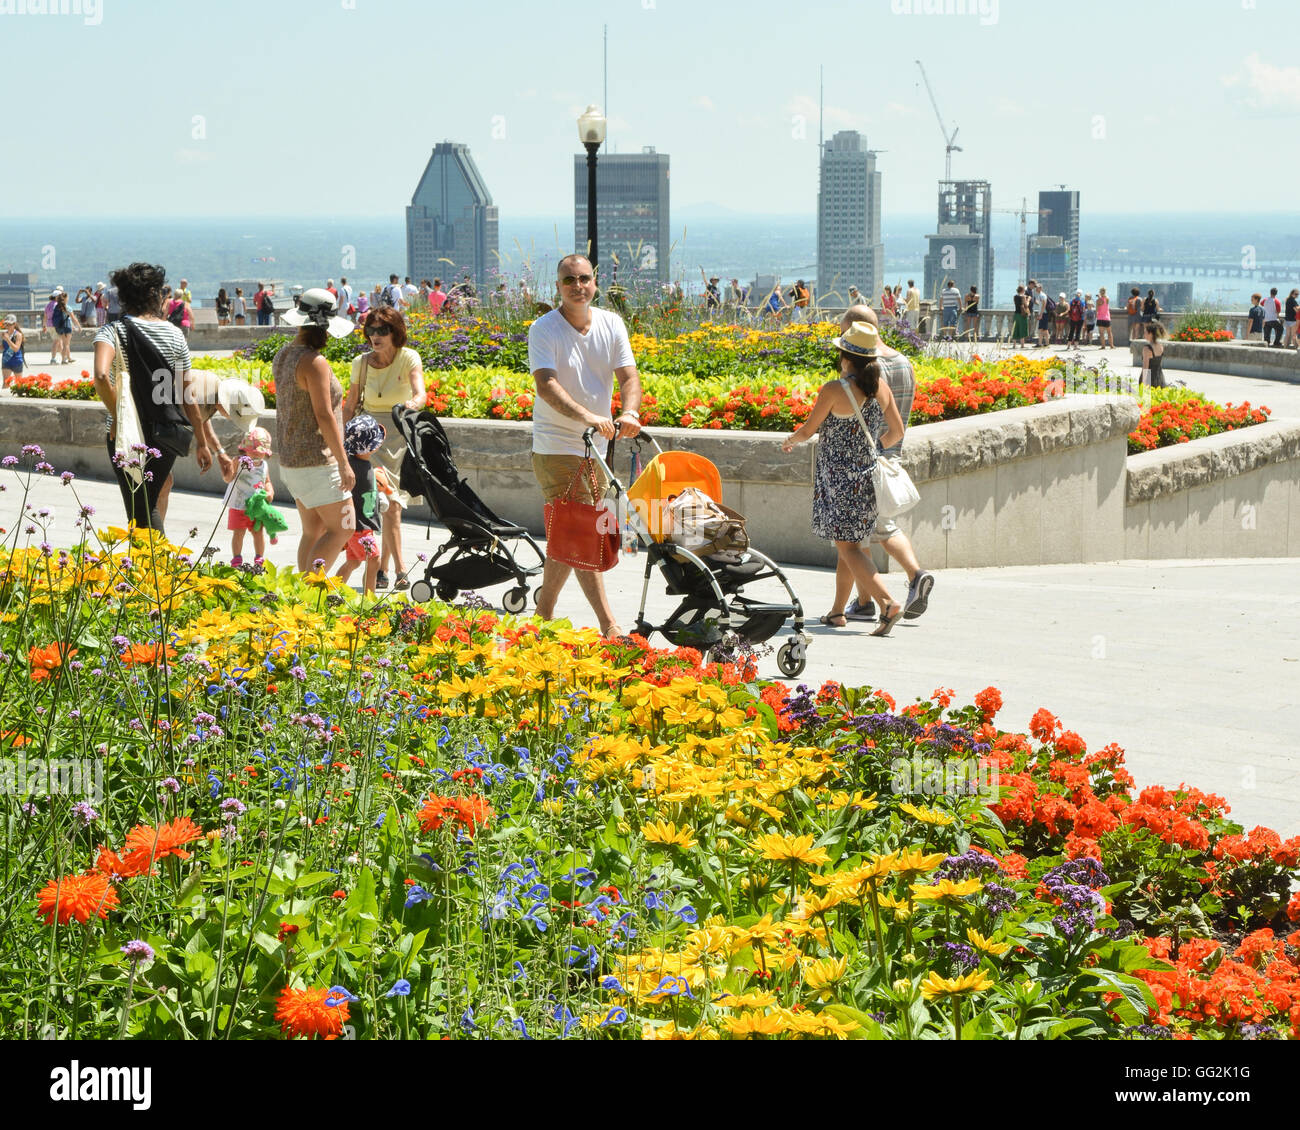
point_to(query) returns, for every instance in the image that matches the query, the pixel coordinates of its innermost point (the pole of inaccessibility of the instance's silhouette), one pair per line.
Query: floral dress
(844, 497)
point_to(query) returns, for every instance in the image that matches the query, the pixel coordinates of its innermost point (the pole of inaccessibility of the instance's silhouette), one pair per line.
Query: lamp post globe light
(591, 132)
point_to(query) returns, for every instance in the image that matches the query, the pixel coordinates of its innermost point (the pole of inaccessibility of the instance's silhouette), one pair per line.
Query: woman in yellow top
(392, 375)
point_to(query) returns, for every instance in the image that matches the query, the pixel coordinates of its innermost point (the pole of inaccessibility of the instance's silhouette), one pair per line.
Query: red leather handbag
(578, 533)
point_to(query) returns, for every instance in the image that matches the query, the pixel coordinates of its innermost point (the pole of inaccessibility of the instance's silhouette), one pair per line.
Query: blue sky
(331, 107)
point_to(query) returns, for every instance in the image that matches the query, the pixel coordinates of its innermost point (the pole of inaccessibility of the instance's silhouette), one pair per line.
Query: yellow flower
(856, 800)
(935, 987)
(945, 890)
(928, 815)
(985, 945)
(670, 1031)
(668, 833)
(824, 1024)
(749, 1024)
(821, 976)
(744, 1000)
(912, 861)
(791, 849)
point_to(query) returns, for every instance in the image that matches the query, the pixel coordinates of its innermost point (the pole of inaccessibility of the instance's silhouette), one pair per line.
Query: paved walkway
(1192, 667)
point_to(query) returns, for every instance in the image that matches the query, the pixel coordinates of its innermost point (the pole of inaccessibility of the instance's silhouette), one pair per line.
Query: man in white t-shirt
(345, 297)
(574, 354)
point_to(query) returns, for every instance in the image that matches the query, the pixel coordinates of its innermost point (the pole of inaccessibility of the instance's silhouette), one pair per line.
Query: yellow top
(388, 387)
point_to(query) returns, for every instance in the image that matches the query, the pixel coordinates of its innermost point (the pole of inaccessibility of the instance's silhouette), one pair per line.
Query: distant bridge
(1271, 273)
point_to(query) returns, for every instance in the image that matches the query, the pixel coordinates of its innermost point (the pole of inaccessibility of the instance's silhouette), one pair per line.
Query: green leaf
(362, 907)
(867, 1028)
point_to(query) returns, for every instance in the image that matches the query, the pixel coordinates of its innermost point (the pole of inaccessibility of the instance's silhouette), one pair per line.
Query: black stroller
(714, 611)
(483, 547)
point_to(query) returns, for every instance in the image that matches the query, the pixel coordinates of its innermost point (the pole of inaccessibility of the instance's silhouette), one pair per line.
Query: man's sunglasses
(379, 331)
(569, 280)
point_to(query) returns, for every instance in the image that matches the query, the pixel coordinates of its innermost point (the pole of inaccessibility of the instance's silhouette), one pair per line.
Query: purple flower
(67, 477)
(9, 461)
(171, 784)
(138, 951)
(234, 807)
(35, 450)
(83, 812)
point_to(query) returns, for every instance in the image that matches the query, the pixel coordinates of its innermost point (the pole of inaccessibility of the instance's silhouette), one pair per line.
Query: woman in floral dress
(844, 497)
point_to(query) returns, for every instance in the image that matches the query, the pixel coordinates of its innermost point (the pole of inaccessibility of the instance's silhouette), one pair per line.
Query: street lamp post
(591, 131)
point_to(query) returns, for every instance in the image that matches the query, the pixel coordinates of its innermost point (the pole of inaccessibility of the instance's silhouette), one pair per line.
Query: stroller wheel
(447, 592)
(792, 658)
(515, 600)
(421, 592)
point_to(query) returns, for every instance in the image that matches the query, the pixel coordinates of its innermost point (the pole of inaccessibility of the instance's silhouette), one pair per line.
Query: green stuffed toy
(263, 515)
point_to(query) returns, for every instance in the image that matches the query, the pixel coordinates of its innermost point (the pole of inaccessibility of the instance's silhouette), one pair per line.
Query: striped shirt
(168, 339)
(897, 371)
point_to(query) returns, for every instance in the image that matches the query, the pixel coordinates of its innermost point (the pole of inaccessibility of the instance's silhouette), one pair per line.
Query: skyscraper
(962, 247)
(849, 249)
(1062, 221)
(632, 229)
(451, 217)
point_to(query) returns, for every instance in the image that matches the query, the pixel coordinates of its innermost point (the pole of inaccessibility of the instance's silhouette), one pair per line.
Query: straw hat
(862, 339)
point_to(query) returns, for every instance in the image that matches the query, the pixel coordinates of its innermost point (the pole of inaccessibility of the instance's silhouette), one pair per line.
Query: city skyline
(227, 140)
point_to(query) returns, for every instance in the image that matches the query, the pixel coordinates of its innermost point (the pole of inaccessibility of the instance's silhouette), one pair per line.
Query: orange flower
(45, 661)
(433, 813)
(149, 653)
(159, 843)
(303, 1012)
(472, 811)
(114, 866)
(75, 896)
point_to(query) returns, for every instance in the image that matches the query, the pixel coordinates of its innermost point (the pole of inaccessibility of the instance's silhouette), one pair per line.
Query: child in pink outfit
(248, 474)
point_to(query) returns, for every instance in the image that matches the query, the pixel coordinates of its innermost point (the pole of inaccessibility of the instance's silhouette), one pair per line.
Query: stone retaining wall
(1052, 483)
(1235, 358)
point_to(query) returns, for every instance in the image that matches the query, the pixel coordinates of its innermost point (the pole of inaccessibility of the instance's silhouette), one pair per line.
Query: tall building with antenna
(849, 247)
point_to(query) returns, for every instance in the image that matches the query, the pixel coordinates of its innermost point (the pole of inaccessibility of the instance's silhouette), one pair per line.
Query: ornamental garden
(252, 804)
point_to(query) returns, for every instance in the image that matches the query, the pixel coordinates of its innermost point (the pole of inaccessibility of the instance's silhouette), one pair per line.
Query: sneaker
(237, 561)
(381, 580)
(259, 560)
(856, 611)
(918, 595)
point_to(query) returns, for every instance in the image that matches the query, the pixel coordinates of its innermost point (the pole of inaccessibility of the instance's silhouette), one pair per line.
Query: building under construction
(961, 248)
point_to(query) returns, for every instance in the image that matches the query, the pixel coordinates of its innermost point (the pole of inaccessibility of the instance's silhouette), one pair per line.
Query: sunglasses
(569, 280)
(379, 331)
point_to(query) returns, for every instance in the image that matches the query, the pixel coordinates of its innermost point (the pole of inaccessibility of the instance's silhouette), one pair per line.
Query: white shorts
(313, 487)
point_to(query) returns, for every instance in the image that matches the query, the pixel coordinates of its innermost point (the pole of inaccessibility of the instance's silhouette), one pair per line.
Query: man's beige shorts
(885, 529)
(555, 473)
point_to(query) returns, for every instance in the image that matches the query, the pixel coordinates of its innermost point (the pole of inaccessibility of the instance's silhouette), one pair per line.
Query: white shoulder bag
(126, 423)
(895, 492)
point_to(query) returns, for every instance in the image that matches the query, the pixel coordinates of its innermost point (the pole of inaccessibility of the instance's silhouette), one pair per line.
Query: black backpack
(177, 316)
(158, 398)
(266, 306)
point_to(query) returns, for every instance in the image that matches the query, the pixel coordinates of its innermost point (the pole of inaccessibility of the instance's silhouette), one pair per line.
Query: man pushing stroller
(574, 354)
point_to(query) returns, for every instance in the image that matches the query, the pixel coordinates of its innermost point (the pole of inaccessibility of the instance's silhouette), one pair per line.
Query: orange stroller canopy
(668, 474)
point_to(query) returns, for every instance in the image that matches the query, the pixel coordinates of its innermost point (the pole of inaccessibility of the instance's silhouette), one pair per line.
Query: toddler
(362, 436)
(245, 476)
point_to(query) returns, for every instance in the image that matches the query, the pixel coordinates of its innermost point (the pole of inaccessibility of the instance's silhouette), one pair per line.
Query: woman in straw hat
(844, 496)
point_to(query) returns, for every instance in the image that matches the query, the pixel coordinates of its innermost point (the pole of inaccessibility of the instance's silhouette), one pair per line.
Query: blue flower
(531, 916)
(567, 1018)
(467, 1019)
(537, 892)
(582, 876)
(673, 987)
(613, 984)
(687, 914)
(379, 820)
(337, 996)
(401, 988)
(590, 954)
(519, 1026)
(653, 901)
(616, 1016)
(519, 971)
(311, 698)
(416, 894)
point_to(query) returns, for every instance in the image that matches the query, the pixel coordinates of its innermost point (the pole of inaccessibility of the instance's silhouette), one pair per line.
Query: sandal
(888, 618)
(401, 582)
(830, 620)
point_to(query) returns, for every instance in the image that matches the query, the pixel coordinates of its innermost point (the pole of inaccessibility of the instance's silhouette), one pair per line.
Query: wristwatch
(628, 412)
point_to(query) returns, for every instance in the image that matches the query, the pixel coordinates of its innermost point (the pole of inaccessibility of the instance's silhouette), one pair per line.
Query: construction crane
(948, 139)
(1023, 211)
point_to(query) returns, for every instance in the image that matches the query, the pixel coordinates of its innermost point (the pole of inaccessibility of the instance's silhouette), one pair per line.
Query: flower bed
(1197, 333)
(328, 818)
(1179, 415)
